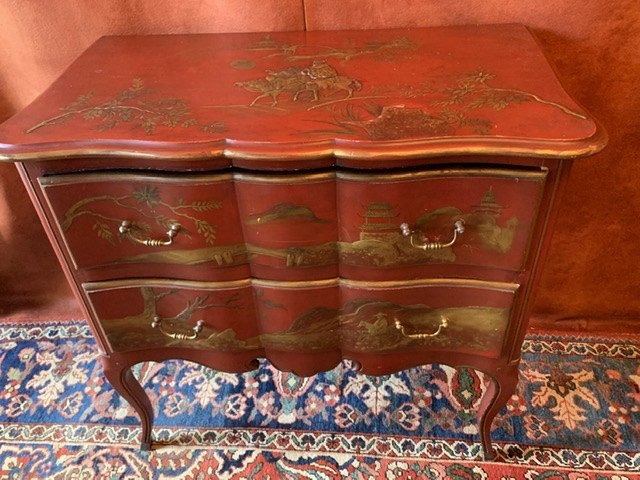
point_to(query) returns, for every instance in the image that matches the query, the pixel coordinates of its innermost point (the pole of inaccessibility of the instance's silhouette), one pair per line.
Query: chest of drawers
(380, 196)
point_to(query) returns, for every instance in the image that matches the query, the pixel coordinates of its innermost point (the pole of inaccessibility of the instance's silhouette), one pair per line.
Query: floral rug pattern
(576, 414)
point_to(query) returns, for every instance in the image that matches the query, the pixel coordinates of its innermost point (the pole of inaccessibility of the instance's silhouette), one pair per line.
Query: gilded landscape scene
(273, 78)
(381, 243)
(362, 325)
(314, 77)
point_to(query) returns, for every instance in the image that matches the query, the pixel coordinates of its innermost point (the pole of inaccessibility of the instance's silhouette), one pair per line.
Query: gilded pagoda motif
(379, 224)
(380, 242)
(485, 217)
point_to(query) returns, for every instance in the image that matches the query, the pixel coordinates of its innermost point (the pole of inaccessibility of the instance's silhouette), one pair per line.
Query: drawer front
(299, 316)
(305, 321)
(289, 225)
(497, 209)
(136, 314)
(385, 317)
(90, 210)
(463, 316)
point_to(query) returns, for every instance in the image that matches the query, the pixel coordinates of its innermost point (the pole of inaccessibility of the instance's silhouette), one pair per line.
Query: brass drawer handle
(458, 229)
(126, 228)
(444, 323)
(157, 323)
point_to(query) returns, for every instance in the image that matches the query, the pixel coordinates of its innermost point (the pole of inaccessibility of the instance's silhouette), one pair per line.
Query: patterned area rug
(576, 415)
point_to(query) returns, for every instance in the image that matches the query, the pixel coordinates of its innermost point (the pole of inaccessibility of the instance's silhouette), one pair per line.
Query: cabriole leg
(502, 384)
(125, 383)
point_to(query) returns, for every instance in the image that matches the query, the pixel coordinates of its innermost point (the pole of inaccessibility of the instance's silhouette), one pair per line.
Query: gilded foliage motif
(149, 207)
(381, 50)
(314, 85)
(452, 109)
(360, 325)
(136, 105)
(135, 330)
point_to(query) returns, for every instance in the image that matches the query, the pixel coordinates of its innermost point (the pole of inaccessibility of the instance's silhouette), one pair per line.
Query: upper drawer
(118, 224)
(290, 224)
(496, 208)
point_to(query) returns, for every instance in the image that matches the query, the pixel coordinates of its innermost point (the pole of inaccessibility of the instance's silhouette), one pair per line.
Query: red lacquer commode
(383, 196)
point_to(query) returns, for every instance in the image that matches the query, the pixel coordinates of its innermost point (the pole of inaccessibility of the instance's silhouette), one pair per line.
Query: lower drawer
(138, 314)
(290, 321)
(352, 317)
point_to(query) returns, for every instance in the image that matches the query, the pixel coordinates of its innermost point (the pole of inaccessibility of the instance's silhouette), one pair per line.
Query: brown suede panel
(592, 268)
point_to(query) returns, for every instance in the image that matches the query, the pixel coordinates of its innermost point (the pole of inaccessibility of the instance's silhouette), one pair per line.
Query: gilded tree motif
(451, 112)
(134, 330)
(383, 50)
(136, 105)
(148, 205)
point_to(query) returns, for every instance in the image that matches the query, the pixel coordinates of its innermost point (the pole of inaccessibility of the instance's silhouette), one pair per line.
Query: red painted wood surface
(290, 225)
(89, 210)
(294, 227)
(393, 93)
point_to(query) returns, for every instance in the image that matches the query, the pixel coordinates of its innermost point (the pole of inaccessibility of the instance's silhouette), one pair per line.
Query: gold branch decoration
(144, 201)
(134, 105)
(385, 50)
(457, 107)
(473, 91)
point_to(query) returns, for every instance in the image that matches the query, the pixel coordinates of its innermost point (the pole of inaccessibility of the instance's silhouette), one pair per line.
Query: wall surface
(592, 272)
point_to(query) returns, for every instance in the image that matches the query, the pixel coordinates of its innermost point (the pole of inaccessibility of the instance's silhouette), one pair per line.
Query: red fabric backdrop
(592, 271)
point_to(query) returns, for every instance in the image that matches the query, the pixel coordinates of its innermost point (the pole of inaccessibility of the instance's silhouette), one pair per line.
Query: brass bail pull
(458, 229)
(128, 229)
(444, 323)
(157, 323)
